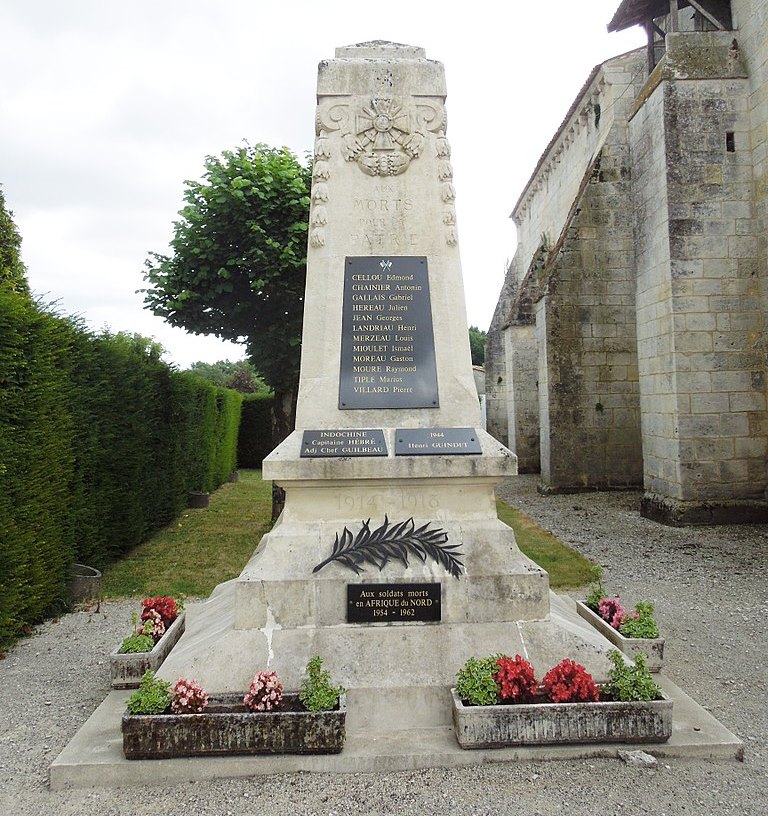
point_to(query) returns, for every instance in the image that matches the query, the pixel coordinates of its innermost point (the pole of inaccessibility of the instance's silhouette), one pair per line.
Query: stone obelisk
(388, 560)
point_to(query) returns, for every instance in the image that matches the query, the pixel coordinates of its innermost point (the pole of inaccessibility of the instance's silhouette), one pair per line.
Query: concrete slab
(94, 757)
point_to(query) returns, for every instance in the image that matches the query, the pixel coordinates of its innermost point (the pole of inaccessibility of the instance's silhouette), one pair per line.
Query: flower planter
(127, 669)
(198, 499)
(228, 727)
(652, 648)
(84, 582)
(539, 723)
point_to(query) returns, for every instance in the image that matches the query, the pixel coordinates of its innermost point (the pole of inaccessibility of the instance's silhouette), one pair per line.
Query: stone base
(397, 674)
(558, 490)
(677, 513)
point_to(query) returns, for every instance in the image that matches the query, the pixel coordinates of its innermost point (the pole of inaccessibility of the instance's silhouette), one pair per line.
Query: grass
(199, 549)
(567, 569)
(202, 548)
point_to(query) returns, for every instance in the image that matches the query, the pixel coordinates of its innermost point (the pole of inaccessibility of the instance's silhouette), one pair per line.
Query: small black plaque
(387, 344)
(318, 444)
(388, 603)
(436, 441)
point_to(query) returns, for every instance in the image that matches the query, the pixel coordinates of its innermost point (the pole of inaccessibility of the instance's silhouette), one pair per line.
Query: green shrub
(136, 644)
(153, 696)
(475, 683)
(627, 683)
(255, 440)
(100, 444)
(317, 693)
(643, 626)
(36, 462)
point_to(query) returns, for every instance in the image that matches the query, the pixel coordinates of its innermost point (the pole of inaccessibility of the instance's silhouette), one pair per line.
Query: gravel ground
(709, 586)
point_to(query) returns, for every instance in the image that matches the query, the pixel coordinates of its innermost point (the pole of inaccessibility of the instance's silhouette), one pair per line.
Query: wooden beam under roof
(638, 12)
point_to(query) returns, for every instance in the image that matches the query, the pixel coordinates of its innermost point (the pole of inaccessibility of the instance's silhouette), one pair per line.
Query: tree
(240, 376)
(238, 266)
(477, 345)
(12, 270)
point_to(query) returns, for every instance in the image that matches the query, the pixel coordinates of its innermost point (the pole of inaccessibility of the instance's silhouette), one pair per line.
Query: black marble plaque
(387, 345)
(317, 444)
(386, 603)
(436, 441)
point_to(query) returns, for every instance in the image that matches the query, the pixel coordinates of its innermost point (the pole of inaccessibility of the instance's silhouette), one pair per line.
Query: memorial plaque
(377, 603)
(318, 444)
(436, 441)
(387, 345)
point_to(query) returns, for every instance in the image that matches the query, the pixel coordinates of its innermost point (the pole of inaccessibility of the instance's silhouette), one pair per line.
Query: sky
(107, 107)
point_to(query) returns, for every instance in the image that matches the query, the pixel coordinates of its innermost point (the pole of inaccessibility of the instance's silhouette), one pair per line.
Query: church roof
(637, 12)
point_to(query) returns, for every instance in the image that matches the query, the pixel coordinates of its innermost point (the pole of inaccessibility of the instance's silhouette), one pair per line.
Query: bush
(100, 443)
(255, 440)
(627, 683)
(317, 693)
(475, 683)
(640, 623)
(153, 695)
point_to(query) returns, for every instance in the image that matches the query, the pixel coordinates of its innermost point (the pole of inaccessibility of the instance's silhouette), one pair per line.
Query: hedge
(255, 440)
(100, 444)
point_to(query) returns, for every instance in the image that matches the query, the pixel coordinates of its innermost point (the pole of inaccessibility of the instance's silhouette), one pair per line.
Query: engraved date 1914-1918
(389, 501)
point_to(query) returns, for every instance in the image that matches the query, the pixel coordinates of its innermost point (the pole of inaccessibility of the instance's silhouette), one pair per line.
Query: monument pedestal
(280, 612)
(388, 560)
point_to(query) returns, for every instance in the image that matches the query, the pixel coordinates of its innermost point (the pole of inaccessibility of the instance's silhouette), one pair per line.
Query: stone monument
(388, 560)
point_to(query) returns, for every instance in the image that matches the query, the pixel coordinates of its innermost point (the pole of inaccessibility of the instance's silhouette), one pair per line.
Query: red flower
(163, 605)
(569, 682)
(515, 679)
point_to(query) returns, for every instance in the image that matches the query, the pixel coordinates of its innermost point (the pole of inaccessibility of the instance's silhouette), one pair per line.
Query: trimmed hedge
(100, 444)
(255, 440)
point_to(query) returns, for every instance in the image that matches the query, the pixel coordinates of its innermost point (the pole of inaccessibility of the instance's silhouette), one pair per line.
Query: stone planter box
(127, 669)
(502, 726)
(652, 648)
(228, 727)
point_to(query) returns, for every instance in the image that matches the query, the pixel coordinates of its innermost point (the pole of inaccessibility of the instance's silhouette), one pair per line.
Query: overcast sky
(107, 107)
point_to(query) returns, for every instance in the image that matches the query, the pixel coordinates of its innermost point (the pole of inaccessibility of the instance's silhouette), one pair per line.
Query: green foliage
(643, 626)
(477, 345)
(317, 693)
(36, 461)
(135, 644)
(100, 443)
(627, 683)
(475, 683)
(240, 376)
(239, 258)
(200, 549)
(12, 270)
(255, 439)
(597, 589)
(153, 696)
(565, 566)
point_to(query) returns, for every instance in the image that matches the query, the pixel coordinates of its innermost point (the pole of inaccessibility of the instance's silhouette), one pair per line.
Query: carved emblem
(383, 136)
(394, 542)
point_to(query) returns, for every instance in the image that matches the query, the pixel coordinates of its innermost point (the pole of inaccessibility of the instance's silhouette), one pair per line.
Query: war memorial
(388, 560)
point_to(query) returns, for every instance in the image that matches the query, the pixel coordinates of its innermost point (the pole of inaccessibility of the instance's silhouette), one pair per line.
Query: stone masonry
(643, 275)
